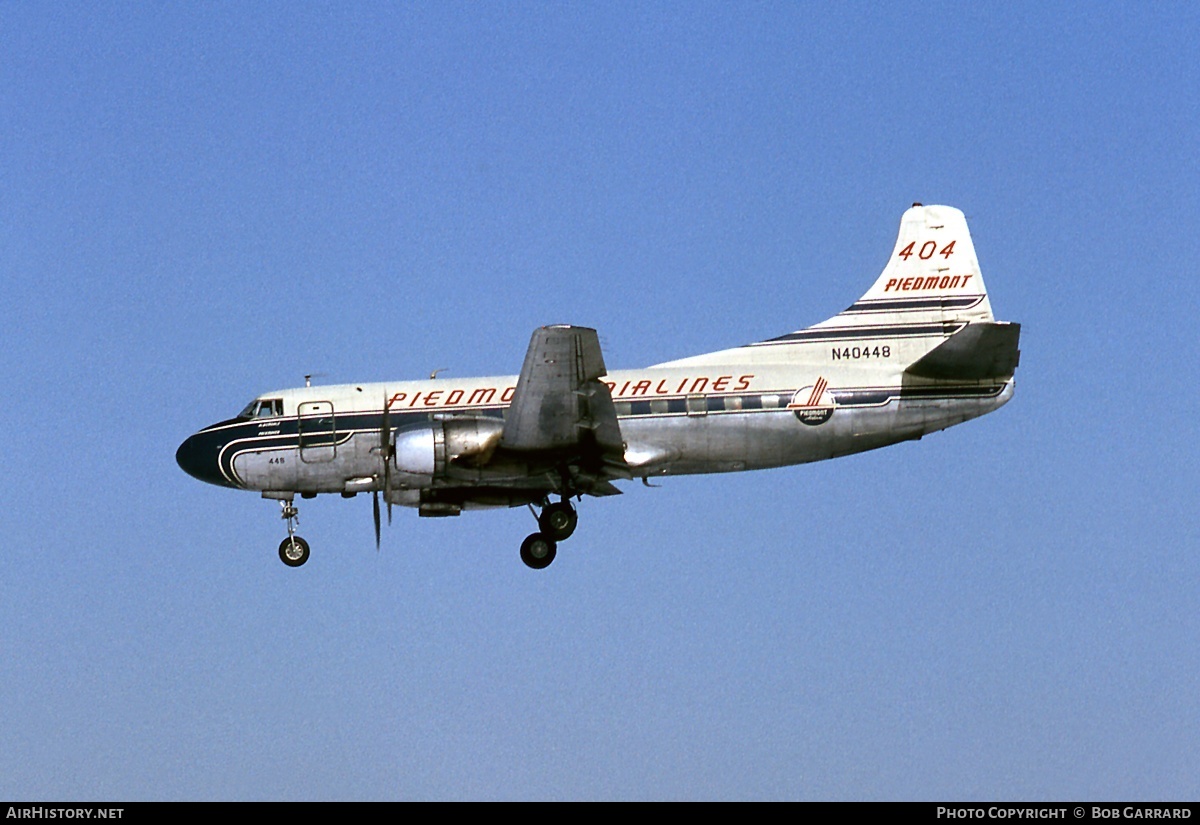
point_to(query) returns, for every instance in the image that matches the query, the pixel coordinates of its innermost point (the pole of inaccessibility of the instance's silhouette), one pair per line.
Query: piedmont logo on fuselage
(812, 405)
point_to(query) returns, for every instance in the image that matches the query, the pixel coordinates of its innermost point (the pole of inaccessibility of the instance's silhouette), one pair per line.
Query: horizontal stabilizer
(979, 350)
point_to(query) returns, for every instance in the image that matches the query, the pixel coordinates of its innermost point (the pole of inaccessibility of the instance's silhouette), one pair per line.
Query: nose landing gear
(293, 551)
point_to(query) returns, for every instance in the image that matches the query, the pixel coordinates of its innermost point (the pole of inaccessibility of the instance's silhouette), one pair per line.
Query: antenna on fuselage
(433, 374)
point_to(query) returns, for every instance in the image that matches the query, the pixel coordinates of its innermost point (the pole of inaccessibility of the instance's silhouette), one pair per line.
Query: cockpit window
(263, 408)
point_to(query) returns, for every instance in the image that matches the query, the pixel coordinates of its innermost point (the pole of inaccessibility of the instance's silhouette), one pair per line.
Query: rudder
(933, 273)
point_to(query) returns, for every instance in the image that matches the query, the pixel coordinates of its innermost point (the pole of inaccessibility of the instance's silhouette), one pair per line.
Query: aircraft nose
(197, 456)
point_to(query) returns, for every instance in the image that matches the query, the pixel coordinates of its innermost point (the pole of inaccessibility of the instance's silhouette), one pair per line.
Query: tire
(558, 520)
(293, 556)
(538, 550)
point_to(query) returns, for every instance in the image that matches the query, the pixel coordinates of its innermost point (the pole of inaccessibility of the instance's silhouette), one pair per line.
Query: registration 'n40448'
(855, 353)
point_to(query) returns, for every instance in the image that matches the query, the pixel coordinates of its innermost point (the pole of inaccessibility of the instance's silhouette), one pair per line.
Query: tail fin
(930, 291)
(931, 300)
(933, 274)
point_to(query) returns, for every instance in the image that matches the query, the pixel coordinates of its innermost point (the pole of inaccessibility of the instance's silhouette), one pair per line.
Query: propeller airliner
(919, 352)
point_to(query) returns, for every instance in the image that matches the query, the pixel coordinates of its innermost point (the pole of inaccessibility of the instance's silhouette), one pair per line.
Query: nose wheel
(293, 551)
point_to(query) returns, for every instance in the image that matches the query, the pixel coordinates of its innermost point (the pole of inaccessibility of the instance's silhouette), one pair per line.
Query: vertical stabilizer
(930, 289)
(932, 275)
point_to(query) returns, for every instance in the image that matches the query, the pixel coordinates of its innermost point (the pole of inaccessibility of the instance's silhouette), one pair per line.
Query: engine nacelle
(456, 448)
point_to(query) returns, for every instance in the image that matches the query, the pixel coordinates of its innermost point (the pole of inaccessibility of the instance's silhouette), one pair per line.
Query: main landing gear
(293, 551)
(555, 523)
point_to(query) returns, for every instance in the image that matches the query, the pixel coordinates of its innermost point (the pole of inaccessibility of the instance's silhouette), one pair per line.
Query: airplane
(919, 352)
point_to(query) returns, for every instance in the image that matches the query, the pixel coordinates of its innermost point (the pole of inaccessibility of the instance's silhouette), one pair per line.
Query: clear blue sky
(201, 202)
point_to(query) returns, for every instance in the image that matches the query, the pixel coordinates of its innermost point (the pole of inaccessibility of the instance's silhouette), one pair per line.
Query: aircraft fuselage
(673, 421)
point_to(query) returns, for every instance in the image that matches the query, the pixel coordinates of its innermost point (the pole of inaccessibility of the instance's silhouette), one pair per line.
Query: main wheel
(558, 520)
(293, 551)
(538, 550)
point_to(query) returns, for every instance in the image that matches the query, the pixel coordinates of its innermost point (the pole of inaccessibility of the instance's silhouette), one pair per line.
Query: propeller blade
(385, 432)
(386, 452)
(387, 483)
(375, 500)
(387, 480)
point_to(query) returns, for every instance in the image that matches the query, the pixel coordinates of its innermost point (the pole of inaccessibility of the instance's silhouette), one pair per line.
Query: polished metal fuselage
(673, 420)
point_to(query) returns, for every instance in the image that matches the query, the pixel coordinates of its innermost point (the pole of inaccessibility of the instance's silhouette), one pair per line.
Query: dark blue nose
(197, 456)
